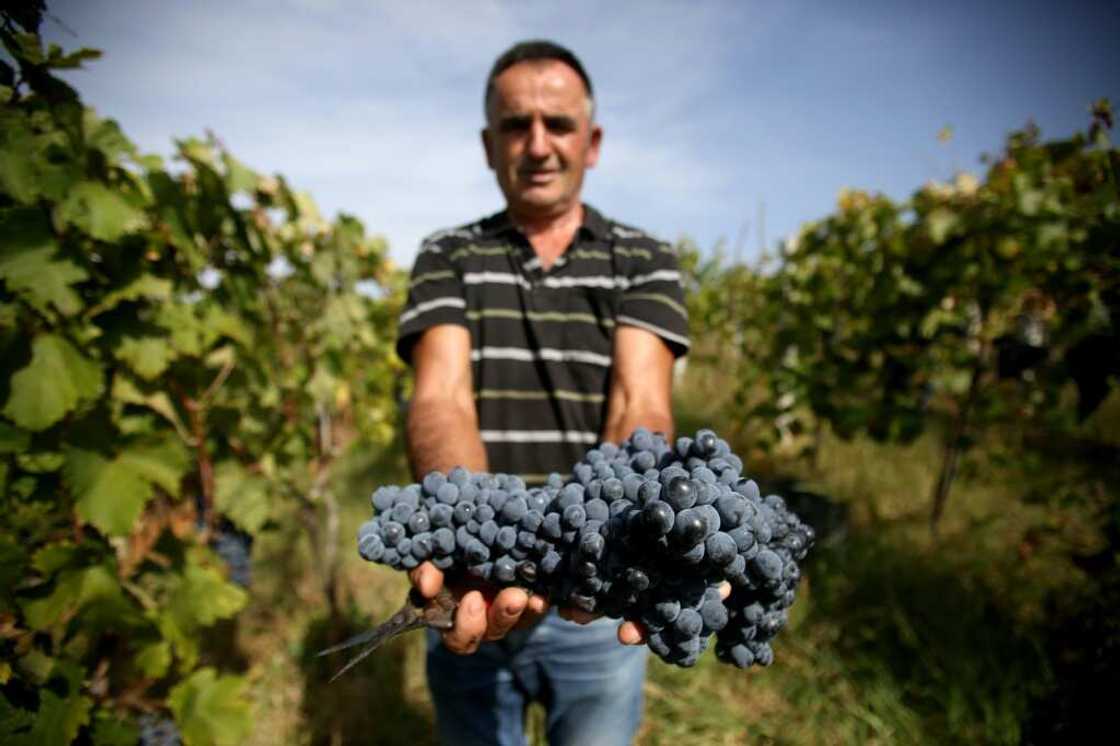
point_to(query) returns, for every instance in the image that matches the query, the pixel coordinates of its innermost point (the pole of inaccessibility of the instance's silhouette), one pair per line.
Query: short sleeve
(435, 296)
(654, 297)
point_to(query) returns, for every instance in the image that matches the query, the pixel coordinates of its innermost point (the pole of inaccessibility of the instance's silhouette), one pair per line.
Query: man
(534, 334)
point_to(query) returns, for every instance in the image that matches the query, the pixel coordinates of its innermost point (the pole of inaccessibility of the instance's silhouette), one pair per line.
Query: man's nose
(538, 140)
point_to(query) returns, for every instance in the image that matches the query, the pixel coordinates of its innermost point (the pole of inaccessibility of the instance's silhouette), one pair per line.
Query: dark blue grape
(433, 481)
(506, 538)
(488, 532)
(658, 518)
(574, 517)
(401, 512)
(463, 512)
(443, 541)
(720, 548)
(418, 522)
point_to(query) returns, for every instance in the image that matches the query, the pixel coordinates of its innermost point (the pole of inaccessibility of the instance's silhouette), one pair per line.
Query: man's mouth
(538, 177)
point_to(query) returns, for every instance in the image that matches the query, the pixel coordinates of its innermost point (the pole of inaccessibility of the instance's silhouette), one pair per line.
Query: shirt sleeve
(435, 296)
(654, 297)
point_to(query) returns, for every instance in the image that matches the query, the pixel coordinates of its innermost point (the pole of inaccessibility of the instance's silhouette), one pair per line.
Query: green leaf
(29, 267)
(109, 494)
(241, 496)
(75, 590)
(162, 462)
(55, 382)
(13, 562)
(59, 60)
(59, 719)
(239, 178)
(154, 660)
(144, 286)
(40, 462)
(147, 356)
(203, 597)
(128, 392)
(12, 439)
(50, 559)
(37, 666)
(108, 730)
(105, 214)
(15, 724)
(211, 709)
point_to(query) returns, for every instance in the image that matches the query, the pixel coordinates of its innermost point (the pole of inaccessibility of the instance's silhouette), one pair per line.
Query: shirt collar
(594, 224)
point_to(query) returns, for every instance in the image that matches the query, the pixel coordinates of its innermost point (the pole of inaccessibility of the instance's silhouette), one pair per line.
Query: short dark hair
(529, 51)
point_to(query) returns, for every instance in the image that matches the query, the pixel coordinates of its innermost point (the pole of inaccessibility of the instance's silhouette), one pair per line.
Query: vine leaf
(56, 381)
(13, 440)
(73, 591)
(211, 709)
(241, 496)
(147, 356)
(102, 213)
(29, 267)
(110, 494)
(59, 718)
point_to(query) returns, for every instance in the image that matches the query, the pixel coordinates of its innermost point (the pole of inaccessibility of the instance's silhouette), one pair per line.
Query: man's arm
(641, 385)
(442, 419)
(442, 434)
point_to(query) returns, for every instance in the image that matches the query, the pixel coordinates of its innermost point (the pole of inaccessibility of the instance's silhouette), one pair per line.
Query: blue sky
(714, 112)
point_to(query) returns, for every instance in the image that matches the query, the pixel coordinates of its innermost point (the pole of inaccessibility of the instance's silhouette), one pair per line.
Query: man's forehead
(528, 83)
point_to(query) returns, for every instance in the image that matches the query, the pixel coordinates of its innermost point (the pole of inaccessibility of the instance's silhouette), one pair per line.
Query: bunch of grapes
(645, 531)
(158, 730)
(234, 547)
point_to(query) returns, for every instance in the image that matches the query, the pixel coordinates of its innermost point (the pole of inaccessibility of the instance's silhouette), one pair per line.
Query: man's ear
(593, 147)
(488, 147)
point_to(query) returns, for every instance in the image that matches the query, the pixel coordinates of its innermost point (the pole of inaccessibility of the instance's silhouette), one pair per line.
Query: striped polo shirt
(541, 340)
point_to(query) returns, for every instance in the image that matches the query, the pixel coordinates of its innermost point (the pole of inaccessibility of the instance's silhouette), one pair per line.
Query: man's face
(540, 138)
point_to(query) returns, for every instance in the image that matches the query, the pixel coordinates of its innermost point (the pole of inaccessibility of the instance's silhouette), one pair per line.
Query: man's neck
(550, 236)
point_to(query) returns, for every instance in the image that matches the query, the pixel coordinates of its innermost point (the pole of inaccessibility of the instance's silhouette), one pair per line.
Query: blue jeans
(589, 683)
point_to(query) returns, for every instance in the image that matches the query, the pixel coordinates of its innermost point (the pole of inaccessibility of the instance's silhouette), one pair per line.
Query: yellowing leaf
(941, 222)
(56, 381)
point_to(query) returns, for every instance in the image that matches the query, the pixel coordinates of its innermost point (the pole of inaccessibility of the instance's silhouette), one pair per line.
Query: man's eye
(560, 124)
(514, 124)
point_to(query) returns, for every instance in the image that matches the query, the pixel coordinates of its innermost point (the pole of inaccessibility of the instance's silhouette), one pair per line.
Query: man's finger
(534, 610)
(505, 610)
(470, 625)
(724, 590)
(631, 633)
(427, 578)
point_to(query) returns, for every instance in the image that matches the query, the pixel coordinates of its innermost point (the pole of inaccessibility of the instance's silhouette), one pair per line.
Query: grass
(897, 636)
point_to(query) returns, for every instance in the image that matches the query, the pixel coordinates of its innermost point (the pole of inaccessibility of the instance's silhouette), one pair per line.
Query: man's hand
(484, 613)
(629, 633)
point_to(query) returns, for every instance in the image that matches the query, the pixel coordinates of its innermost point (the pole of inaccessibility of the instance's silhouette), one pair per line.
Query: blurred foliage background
(199, 391)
